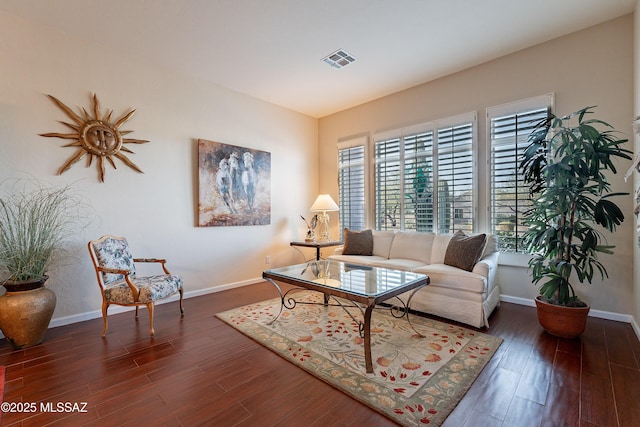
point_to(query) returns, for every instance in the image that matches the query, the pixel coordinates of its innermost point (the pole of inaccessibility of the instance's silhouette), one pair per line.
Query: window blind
(455, 178)
(509, 194)
(418, 182)
(351, 184)
(388, 184)
(424, 176)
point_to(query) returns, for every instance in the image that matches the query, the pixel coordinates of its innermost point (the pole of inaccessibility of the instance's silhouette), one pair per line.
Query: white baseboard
(608, 315)
(517, 300)
(635, 327)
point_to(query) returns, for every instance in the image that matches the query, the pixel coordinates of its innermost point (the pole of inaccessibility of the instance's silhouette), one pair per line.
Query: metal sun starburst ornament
(96, 136)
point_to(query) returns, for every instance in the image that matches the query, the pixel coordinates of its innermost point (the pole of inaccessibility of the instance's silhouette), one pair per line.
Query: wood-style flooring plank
(566, 371)
(524, 413)
(497, 393)
(459, 416)
(619, 346)
(535, 379)
(599, 406)
(626, 387)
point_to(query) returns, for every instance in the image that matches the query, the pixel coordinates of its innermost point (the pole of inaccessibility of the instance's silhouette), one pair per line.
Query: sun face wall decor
(96, 136)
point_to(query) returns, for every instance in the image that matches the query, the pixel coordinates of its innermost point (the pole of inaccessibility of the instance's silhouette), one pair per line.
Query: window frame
(347, 143)
(470, 118)
(481, 169)
(515, 108)
(390, 135)
(459, 120)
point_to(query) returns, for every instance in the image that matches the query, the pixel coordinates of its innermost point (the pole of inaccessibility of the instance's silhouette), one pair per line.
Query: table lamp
(324, 203)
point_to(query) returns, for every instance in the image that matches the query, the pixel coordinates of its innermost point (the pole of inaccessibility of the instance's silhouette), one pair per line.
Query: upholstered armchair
(116, 274)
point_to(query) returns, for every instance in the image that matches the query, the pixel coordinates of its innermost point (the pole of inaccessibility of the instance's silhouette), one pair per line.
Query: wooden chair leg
(181, 310)
(137, 311)
(105, 306)
(150, 308)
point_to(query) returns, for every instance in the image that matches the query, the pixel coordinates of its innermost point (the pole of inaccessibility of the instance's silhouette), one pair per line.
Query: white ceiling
(273, 49)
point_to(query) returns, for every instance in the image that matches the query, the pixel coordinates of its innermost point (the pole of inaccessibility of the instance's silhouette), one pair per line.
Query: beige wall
(591, 67)
(154, 210)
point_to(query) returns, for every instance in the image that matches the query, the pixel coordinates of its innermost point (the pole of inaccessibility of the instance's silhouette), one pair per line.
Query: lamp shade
(324, 202)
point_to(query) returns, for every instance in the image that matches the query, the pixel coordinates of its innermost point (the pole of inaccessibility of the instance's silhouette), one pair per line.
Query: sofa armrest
(488, 267)
(338, 250)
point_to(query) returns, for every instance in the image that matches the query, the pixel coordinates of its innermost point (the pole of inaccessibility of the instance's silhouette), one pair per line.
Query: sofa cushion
(382, 242)
(412, 245)
(453, 278)
(491, 247)
(358, 259)
(439, 248)
(464, 251)
(399, 264)
(357, 242)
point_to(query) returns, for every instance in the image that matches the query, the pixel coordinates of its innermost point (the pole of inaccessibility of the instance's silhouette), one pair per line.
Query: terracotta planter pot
(25, 312)
(560, 321)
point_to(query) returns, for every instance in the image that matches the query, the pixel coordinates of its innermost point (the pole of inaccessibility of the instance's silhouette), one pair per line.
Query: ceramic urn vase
(26, 309)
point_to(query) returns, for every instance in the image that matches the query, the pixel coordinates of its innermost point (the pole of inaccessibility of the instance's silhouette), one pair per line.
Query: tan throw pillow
(464, 251)
(358, 242)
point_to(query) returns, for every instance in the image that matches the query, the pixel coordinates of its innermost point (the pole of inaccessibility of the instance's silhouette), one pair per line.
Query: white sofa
(464, 296)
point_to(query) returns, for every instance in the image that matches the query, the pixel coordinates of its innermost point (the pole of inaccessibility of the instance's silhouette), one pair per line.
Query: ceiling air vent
(339, 59)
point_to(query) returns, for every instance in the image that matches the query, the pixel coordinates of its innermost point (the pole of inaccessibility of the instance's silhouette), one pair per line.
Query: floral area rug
(416, 380)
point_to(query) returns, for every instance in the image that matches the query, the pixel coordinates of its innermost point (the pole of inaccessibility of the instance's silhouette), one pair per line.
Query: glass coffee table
(364, 287)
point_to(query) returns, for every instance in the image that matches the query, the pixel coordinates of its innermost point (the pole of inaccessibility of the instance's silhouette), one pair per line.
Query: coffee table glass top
(351, 278)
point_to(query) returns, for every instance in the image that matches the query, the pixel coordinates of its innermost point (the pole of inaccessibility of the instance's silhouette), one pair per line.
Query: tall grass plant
(35, 223)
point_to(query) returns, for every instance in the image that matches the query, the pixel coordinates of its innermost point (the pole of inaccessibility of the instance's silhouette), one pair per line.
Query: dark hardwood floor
(199, 371)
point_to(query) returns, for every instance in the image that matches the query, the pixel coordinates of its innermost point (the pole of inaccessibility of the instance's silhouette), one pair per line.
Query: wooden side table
(318, 245)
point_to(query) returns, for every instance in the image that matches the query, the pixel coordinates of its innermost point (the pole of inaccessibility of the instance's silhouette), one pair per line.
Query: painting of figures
(234, 185)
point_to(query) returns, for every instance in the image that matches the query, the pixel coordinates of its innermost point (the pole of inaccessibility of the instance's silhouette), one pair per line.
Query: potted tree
(565, 165)
(35, 221)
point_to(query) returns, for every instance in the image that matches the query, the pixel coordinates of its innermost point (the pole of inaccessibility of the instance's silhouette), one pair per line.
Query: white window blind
(425, 174)
(418, 182)
(352, 183)
(510, 126)
(455, 178)
(388, 184)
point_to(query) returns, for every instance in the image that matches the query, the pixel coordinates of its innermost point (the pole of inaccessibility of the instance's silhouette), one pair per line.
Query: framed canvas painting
(234, 185)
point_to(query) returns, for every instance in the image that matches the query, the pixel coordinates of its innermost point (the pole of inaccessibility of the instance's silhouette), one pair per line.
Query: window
(455, 178)
(402, 179)
(423, 177)
(418, 186)
(351, 183)
(509, 128)
(426, 177)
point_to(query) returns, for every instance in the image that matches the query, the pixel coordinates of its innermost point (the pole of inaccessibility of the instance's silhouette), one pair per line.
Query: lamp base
(323, 227)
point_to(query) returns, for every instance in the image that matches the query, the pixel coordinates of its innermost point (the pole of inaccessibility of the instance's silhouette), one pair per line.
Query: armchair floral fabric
(116, 274)
(152, 288)
(114, 253)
